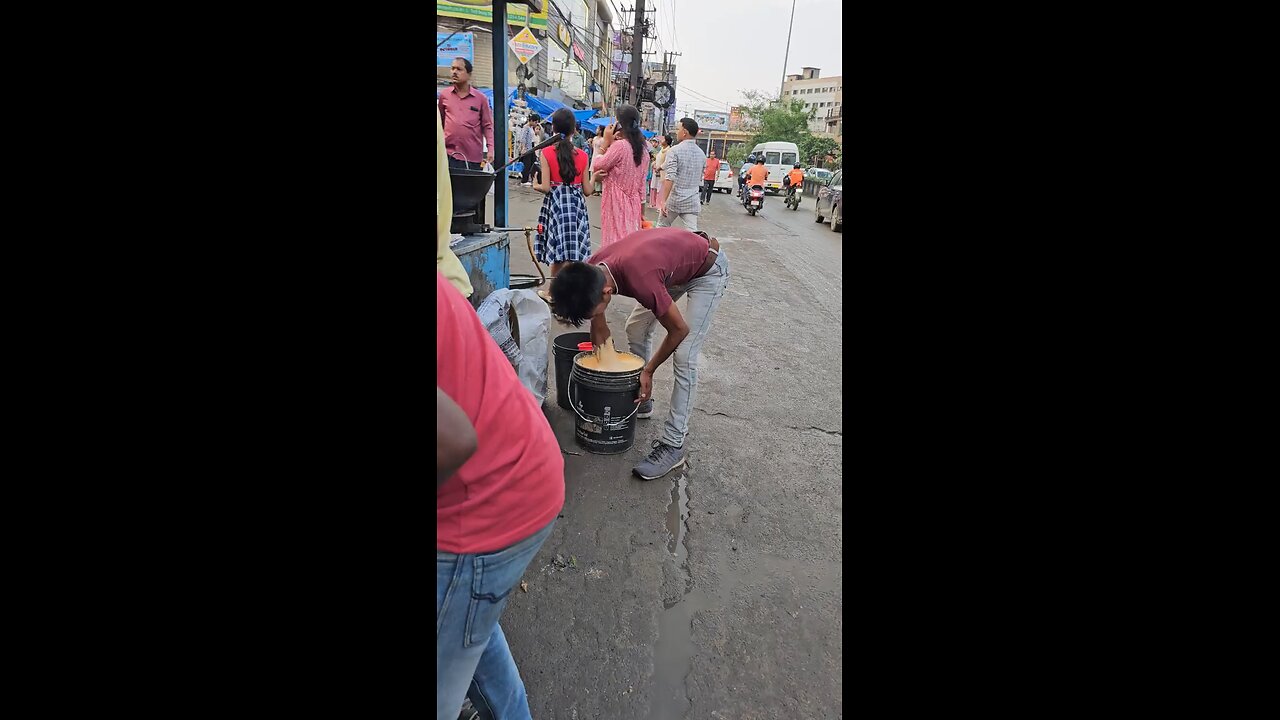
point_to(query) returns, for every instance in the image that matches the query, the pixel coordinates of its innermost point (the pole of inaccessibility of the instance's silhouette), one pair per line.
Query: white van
(779, 159)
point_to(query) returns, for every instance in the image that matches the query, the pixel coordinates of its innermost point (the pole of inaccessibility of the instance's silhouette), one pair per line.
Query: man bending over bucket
(655, 267)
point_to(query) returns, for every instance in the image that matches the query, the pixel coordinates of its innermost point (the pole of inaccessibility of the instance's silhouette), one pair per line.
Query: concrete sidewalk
(713, 592)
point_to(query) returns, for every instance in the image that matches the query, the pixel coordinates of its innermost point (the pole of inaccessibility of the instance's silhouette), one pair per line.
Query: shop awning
(542, 106)
(605, 122)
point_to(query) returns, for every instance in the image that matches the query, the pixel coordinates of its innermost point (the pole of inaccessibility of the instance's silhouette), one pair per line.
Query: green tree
(736, 155)
(785, 121)
(816, 147)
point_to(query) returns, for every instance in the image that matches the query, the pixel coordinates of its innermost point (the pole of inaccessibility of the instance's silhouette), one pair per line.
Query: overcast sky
(713, 34)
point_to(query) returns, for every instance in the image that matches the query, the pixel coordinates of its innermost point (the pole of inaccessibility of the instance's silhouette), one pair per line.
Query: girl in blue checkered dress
(564, 228)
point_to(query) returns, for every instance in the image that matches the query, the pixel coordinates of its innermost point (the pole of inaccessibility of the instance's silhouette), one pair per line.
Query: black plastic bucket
(605, 406)
(566, 349)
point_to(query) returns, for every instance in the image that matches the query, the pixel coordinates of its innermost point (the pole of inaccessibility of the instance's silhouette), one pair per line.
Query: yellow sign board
(525, 46)
(483, 11)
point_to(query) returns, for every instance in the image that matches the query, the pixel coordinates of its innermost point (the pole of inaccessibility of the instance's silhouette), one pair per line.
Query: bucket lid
(584, 346)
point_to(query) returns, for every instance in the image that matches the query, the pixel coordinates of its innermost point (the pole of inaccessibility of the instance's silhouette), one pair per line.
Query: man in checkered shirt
(682, 178)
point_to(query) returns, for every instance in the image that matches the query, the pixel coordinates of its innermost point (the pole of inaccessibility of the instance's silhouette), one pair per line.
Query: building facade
(576, 49)
(824, 96)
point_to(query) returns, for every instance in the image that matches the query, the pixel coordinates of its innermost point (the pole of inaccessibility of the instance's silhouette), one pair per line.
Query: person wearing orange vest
(793, 180)
(758, 174)
(796, 176)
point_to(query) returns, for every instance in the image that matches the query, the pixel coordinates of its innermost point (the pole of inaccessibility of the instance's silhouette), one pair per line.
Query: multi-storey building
(822, 95)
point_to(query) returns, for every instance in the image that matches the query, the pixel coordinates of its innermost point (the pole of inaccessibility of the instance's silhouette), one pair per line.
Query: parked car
(830, 204)
(725, 181)
(817, 174)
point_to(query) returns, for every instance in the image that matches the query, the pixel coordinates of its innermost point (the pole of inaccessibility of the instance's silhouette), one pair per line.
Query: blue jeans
(472, 656)
(704, 294)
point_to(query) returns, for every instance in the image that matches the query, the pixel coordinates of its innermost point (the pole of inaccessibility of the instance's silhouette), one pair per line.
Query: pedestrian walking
(655, 267)
(709, 177)
(648, 176)
(597, 151)
(564, 227)
(467, 118)
(682, 178)
(499, 488)
(655, 186)
(525, 140)
(621, 162)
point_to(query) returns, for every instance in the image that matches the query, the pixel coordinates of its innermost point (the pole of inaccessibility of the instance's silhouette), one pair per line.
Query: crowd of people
(499, 469)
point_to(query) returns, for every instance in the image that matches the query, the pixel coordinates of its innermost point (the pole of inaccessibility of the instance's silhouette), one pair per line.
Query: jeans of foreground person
(472, 656)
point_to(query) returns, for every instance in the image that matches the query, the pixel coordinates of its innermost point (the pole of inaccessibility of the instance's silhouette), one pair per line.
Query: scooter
(793, 198)
(753, 199)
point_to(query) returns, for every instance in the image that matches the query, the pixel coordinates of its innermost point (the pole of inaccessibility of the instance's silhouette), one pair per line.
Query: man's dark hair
(690, 125)
(466, 64)
(760, 160)
(576, 291)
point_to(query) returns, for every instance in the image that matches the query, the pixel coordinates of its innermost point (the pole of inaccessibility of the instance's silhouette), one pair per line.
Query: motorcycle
(753, 199)
(793, 198)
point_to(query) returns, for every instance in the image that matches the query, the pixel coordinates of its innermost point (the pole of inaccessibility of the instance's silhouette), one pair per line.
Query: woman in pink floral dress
(624, 162)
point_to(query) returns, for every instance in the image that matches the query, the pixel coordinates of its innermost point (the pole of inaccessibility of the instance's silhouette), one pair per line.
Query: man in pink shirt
(467, 120)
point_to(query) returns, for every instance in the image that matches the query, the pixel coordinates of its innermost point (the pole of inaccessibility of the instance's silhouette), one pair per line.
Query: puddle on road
(677, 517)
(673, 653)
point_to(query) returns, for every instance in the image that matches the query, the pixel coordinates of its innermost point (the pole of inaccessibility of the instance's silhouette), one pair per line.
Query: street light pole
(787, 55)
(637, 51)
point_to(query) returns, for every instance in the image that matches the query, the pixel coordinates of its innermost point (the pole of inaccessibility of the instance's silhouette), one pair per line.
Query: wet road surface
(714, 592)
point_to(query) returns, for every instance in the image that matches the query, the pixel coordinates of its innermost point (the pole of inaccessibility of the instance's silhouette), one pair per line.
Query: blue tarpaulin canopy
(542, 106)
(605, 122)
(546, 106)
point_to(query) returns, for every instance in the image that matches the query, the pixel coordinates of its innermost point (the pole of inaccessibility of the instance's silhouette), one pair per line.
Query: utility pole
(637, 50)
(666, 77)
(787, 55)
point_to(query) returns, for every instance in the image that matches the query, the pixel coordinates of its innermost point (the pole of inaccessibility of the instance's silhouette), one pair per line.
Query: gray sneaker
(645, 410)
(661, 461)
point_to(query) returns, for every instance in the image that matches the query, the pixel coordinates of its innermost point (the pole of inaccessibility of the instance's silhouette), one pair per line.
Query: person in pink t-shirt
(499, 488)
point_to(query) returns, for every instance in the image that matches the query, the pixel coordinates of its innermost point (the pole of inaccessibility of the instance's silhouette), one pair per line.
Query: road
(714, 592)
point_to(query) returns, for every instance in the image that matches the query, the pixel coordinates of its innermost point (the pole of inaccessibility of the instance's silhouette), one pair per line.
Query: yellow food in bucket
(607, 359)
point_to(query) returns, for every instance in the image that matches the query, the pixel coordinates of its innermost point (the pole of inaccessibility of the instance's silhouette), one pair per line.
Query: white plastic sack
(488, 167)
(528, 349)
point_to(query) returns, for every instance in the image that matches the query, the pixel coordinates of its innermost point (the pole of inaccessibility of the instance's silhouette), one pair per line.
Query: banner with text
(484, 13)
(710, 120)
(460, 45)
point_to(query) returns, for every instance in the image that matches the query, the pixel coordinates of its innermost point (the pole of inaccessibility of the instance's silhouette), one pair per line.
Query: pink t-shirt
(514, 483)
(647, 262)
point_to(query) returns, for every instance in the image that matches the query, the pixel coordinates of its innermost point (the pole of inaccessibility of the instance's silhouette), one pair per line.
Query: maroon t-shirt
(647, 262)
